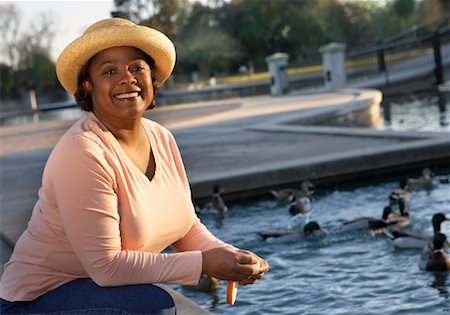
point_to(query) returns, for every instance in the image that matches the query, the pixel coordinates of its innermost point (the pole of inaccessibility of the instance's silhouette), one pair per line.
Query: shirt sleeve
(83, 184)
(198, 238)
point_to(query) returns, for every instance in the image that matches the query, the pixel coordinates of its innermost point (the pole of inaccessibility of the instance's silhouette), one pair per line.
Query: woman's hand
(227, 263)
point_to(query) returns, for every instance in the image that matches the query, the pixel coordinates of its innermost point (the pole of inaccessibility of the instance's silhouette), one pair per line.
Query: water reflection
(439, 283)
(443, 102)
(70, 113)
(418, 112)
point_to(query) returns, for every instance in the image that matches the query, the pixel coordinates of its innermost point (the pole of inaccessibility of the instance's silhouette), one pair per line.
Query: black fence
(422, 48)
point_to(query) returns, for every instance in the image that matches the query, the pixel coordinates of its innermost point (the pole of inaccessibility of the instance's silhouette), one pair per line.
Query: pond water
(344, 272)
(421, 112)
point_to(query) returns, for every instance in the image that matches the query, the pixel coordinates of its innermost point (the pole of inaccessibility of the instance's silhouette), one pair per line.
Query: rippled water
(425, 112)
(351, 272)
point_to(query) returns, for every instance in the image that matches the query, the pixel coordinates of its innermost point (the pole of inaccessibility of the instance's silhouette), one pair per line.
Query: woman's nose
(128, 78)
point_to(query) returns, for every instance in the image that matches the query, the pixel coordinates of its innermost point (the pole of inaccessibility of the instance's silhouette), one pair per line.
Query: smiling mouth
(122, 96)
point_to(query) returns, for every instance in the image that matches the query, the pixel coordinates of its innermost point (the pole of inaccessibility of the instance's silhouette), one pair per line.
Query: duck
(401, 219)
(439, 259)
(371, 223)
(216, 204)
(285, 195)
(402, 193)
(412, 239)
(309, 229)
(424, 182)
(301, 205)
(206, 283)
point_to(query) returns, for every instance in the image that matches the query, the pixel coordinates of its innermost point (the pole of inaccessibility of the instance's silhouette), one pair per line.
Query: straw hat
(109, 33)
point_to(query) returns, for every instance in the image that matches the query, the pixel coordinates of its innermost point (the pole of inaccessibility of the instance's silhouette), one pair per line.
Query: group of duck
(394, 223)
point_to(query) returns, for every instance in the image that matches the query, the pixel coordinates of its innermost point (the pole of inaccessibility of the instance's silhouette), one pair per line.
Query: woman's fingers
(247, 258)
(247, 281)
(256, 268)
(264, 265)
(242, 266)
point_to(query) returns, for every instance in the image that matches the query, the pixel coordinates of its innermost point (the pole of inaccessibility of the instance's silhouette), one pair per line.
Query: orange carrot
(232, 288)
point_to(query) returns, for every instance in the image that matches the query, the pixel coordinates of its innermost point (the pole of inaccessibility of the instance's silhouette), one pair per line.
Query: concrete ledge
(402, 151)
(183, 304)
(332, 168)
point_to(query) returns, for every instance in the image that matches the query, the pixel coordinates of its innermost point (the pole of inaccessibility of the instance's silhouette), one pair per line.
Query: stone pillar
(333, 58)
(279, 80)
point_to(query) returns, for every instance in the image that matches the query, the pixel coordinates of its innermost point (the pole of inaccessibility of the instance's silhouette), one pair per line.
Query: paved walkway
(248, 145)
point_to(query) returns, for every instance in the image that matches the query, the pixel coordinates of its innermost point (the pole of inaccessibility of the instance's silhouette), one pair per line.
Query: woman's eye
(138, 68)
(109, 71)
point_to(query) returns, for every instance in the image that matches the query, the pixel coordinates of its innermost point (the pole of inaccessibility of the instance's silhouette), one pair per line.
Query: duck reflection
(443, 103)
(440, 283)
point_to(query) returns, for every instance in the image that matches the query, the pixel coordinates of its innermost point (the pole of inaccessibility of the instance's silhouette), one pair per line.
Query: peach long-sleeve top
(98, 216)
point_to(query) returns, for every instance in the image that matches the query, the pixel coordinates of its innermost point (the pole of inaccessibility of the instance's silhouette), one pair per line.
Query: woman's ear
(87, 86)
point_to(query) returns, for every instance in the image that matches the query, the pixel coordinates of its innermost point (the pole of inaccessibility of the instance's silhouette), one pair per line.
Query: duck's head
(403, 183)
(217, 189)
(306, 185)
(386, 212)
(439, 240)
(291, 197)
(436, 221)
(311, 227)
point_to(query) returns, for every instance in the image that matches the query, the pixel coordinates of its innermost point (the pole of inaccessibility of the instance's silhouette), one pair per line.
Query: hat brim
(152, 42)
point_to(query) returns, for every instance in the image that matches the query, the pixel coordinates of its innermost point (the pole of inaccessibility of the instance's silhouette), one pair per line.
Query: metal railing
(428, 52)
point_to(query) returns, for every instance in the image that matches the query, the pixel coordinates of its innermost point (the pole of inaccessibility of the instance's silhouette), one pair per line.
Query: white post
(333, 58)
(33, 104)
(279, 81)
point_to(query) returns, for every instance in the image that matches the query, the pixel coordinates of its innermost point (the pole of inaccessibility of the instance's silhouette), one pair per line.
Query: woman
(115, 194)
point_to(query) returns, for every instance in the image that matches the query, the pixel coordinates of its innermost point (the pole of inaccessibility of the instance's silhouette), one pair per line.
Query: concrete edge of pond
(409, 150)
(334, 168)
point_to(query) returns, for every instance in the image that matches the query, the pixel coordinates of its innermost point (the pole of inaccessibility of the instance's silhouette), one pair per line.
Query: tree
(168, 16)
(433, 9)
(404, 8)
(349, 22)
(266, 27)
(7, 86)
(209, 51)
(9, 31)
(26, 53)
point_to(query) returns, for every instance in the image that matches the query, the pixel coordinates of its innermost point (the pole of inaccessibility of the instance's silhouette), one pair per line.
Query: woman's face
(120, 83)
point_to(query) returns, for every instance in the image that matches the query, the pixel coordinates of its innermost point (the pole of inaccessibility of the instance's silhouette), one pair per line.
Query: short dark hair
(84, 100)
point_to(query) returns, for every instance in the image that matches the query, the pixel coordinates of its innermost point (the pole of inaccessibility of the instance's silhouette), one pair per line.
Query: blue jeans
(83, 296)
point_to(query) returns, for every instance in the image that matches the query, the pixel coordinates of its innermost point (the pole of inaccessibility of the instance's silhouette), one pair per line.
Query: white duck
(371, 223)
(309, 229)
(412, 239)
(300, 205)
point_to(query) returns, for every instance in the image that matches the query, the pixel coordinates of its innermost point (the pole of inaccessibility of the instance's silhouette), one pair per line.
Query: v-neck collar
(124, 156)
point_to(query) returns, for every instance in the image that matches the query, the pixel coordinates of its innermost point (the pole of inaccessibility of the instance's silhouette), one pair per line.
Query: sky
(71, 17)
